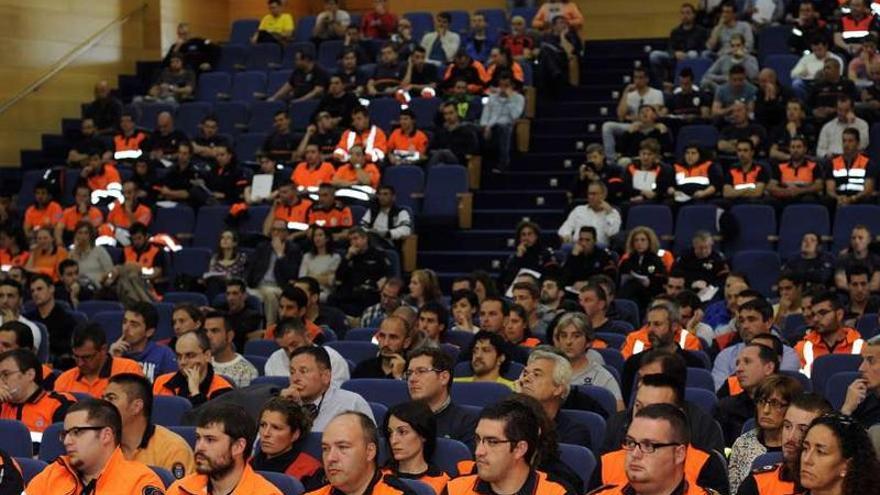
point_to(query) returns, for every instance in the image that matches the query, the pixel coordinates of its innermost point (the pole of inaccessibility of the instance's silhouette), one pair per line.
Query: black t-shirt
(168, 143)
(177, 179)
(780, 136)
(688, 104)
(304, 82)
(88, 145)
(326, 141)
(426, 75)
(338, 107)
(732, 132)
(280, 146)
(826, 93)
(352, 80)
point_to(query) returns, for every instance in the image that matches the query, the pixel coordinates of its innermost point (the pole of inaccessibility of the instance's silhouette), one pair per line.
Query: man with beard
(196, 380)
(488, 359)
(830, 335)
(660, 332)
(782, 477)
(93, 462)
(394, 342)
(507, 439)
(350, 450)
(863, 395)
(224, 436)
(656, 446)
(224, 359)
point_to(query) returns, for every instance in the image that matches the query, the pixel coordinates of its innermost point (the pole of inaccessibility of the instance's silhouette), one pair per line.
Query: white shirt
(652, 96)
(606, 223)
(38, 335)
(336, 401)
(278, 364)
(831, 137)
(809, 66)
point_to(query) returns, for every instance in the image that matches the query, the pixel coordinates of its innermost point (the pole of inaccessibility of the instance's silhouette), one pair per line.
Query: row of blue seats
(256, 116)
(757, 225)
(422, 22)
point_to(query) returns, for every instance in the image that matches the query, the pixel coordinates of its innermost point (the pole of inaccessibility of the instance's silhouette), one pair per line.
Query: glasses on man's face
(773, 403)
(4, 375)
(490, 442)
(646, 446)
(419, 372)
(76, 431)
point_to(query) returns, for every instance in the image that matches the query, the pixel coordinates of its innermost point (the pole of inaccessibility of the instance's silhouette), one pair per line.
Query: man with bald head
(105, 110)
(394, 341)
(350, 449)
(164, 141)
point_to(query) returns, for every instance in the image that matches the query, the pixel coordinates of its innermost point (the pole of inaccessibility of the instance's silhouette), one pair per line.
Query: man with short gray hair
(574, 337)
(547, 379)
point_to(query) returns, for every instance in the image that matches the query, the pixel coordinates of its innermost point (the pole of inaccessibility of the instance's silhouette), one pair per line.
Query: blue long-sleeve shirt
(155, 360)
(502, 109)
(725, 363)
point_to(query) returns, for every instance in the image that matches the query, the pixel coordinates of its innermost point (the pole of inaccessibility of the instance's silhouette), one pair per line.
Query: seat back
(196, 298)
(762, 268)
(406, 181)
(657, 217)
(212, 85)
(824, 367)
(30, 468)
(797, 220)
(480, 394)
(702, 398)
(210, 222)
(233, 116)
(601, 395)
(242, 30)
(756, 224)
(51, 446)
(580, 459)
(262, 115)
(426, 111)
(261, 347)
(848, 217)
(165, 475)
(301, 114)
(384, 112)
(782, 63)
(193, 262)
(287, 484)
(422, 22)
(263, 56)
(356, 351)
(328, 54)
(693, 218)
(594, 422)
(305, 25)
(444, 184)
(111, 322)
(447, 454)
(15, 438)
(247, 145)
(705, 135)
(173, 221)
(700, 378)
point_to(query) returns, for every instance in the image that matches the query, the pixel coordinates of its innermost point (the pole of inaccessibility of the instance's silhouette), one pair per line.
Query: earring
(843, 474)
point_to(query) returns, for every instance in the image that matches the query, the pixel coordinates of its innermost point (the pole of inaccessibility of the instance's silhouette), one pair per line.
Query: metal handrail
(69, 57)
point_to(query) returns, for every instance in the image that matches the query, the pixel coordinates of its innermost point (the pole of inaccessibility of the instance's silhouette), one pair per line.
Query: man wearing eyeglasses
(23, 399)
(781, 478)
(94, 365)
(196, 380)
(507, 438)
(656, 446)
(830, 336)
(702, 468)
(94, 463)
(311, 386)
(429, 379)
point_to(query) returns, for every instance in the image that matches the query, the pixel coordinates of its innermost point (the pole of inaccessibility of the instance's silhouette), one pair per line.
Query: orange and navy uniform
(73, 381)
(19, 259)
(314, 332)
(741, 179)
(48, 216)
(696, 464)
(148, 257)
(854, 30)
(303, 176)
(294, 213)
(536, 483)
(175, 383)
(100, 181)
(684, 488)
(72, 216)
(850, 178)
(47, 263)
(250, 482)
(337, 217)
(39, 410)
(348, 173)
(166, 449)
(118, 476)
(373, 141)
(769, 480)
(697, 177)
(475, 74)
(295, 462)
(516, 70)
(731, 387)
(118, 218)
(434, 477)
(529, 342)
(797, 174)
(128, 147)
(638, 341)
(381, 484)
(408, 144)
(813, 346)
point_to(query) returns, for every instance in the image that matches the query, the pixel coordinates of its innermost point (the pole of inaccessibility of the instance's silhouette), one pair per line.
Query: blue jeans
(501, 139)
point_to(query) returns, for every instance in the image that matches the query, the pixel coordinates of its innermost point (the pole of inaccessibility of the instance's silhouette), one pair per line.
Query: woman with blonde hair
(424, 286)
(642, 271)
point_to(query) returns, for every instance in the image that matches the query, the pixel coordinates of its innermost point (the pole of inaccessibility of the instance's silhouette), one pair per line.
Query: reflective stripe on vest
(682, 339)
(802, 175)
(853, 29)
(852, 178)
(745, 180)
(375, 154)
(698, 174)
(638, 347)
(809, 357)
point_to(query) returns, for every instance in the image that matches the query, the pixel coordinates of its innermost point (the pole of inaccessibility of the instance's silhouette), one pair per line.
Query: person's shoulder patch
(178, 470)
(765, 469)
(152, 490)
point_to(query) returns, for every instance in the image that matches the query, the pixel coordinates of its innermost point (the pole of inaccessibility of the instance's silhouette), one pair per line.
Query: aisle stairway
(535, 186)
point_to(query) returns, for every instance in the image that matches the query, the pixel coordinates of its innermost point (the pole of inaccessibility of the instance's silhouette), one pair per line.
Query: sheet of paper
(261, 187)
